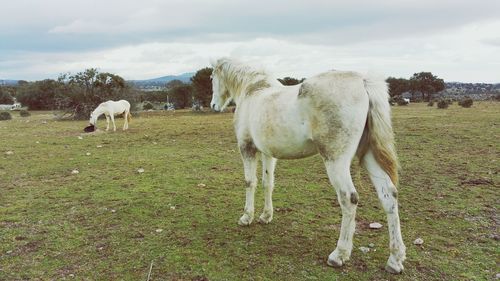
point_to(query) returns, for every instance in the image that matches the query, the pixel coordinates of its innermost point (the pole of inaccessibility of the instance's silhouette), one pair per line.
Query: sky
(454, 39)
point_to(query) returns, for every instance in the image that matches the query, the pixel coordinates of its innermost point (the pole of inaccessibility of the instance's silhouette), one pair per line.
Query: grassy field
(110, 222)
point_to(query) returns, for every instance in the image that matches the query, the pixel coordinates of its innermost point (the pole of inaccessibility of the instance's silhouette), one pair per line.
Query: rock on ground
(375, 225)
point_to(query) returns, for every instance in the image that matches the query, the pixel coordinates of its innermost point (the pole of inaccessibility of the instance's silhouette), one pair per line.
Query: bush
(402, 102)
(5, 97)
(466, 102)
(443, 104)
(24, 113)
(431, 103)
(147, 106)
(5, 116)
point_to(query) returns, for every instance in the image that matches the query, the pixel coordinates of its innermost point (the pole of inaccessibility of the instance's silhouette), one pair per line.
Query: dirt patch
(29, 247)
(481, 181)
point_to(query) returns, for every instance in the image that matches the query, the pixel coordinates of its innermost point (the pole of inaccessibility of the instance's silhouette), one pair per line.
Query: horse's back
(337, 104)
(125, 104)
(115, 107)
(336, 84)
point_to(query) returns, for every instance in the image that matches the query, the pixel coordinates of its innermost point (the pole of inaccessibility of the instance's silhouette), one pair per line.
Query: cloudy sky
(456, 40)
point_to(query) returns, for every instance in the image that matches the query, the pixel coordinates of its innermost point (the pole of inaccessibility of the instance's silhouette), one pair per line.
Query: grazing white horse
(110, 109)
(337, 114)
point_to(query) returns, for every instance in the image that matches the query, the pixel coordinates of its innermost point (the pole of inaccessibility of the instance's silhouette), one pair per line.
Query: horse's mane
(241, 78)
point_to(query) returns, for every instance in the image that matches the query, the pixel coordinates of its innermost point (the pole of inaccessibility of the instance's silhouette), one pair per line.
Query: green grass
(103, 223)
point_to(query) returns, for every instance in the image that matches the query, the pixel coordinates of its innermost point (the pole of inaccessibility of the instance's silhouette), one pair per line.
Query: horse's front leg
(107, 122)
(249, 155)
(113, 120)
(268, 165)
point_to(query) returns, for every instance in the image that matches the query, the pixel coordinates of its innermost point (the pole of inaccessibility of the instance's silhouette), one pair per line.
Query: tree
(40, 95)
(181, 95)
(289, 81)
(153, 96)
(77, 95)
(5, 97)
(427, 84)
(397, 86)
(202, 85)
(174, 83)
(85, 90)
(22, 82)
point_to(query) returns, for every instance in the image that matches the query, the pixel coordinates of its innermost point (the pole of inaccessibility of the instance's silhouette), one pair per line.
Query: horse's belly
(288, 148)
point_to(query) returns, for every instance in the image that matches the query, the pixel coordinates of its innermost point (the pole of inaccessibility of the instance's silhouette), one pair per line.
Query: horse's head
(221, 96)
(93, 119)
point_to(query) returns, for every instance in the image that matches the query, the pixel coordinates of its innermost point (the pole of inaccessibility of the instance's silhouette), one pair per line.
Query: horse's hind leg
(249, 156)
(387, 193)
(268, 165)
(125, 116)
(338, 171)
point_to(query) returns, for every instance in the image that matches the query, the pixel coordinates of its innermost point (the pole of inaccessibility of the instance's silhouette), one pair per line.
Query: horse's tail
(129, 116)
(378, 136)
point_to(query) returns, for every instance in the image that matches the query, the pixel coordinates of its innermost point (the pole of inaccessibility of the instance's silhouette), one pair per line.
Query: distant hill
(8, 82)
(158, 83)
(476, 91)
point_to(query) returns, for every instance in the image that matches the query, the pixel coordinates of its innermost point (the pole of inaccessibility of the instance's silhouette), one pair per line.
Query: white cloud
(457, 40)
(80, 26)
(453, 56)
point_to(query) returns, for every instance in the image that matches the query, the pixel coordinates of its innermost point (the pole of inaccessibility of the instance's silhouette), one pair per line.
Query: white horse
(110, 109)
(336, 114)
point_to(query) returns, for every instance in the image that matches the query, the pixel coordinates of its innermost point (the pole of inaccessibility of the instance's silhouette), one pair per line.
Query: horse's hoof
(394, 265)
(338, 258)
(334, 263)
(265, 218)
(245, 220)
(394, 268)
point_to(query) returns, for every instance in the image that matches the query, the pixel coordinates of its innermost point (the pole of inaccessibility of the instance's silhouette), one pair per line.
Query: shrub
(443, 104)
(24, 113)
(5, 97)
(147, 106)
(466, 102)
(431, 103)
(402, 102)
(5, 116)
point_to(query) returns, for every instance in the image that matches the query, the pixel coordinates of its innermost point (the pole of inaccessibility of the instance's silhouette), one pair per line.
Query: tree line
(77, 95)
(422, 85)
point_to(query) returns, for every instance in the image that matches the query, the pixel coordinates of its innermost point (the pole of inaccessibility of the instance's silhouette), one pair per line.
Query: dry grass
(104, 223)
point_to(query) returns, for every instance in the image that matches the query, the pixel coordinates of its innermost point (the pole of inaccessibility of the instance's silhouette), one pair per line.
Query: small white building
(15, 106)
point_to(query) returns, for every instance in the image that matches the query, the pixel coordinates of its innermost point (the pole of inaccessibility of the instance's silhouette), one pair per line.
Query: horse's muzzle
(214, 107)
